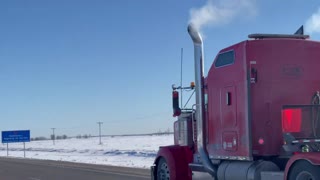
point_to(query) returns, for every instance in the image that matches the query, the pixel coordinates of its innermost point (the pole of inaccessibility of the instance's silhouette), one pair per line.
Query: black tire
(303, 170)
(163, 172)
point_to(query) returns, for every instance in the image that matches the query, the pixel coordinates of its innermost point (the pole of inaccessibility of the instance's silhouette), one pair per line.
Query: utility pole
(100, 131)
(53, 136)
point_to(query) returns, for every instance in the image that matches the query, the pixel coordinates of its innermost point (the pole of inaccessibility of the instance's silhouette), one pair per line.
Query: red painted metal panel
(228, 106)
(229, 141)
(178, 159)
(287, 73)
(280, 72)
(228, 122)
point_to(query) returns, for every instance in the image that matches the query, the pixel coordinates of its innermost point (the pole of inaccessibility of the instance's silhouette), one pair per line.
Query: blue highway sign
(15, 136)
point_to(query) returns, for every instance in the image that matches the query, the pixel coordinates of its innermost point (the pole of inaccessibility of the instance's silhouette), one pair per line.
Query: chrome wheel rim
(164, 172)
(304, 175)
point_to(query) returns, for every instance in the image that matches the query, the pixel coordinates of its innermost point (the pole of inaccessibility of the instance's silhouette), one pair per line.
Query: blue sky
(69, 64)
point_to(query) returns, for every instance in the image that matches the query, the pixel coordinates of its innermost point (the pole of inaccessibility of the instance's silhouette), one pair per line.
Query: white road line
(32, 178)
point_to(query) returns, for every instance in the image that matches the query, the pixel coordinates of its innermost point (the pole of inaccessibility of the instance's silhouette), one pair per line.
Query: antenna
(181, 75)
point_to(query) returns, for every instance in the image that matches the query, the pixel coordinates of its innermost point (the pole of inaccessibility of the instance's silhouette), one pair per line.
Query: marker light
(291, 120)
(261, 141)
(192, 85)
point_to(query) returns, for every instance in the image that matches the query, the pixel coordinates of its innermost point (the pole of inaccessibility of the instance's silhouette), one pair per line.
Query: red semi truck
(256, 114)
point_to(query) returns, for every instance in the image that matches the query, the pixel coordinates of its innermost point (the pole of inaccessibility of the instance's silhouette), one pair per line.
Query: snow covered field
(129, 151)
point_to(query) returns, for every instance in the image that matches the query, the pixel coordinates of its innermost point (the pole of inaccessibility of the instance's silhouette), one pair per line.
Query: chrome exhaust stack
(199, 83)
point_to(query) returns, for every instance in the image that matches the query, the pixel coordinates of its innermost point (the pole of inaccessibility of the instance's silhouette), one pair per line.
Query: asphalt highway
(30, 169)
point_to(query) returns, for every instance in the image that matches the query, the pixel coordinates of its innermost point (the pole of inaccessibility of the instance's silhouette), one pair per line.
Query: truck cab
(256, 117)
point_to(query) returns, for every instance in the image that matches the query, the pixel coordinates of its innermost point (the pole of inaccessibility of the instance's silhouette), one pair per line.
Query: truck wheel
(303, 170)
(163, 170)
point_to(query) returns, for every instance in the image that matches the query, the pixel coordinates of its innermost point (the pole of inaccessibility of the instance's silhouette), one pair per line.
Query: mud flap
(152, 168)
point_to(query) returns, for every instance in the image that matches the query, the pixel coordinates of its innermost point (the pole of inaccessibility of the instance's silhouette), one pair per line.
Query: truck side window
(228, 98)
(225, 58)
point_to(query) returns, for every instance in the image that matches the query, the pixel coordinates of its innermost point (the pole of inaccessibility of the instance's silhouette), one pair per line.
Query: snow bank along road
(126, 151)
(28, 169)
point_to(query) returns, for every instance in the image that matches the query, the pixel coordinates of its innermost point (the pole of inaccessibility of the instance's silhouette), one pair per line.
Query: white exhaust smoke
(313, 23)
(220, 12)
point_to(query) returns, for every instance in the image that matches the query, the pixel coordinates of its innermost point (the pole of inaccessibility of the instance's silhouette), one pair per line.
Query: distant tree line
(41, 138)
(160, 132)
(59, 137)
(85, 136)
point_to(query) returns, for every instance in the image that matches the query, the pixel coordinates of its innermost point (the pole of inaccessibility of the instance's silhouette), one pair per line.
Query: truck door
(228, 122)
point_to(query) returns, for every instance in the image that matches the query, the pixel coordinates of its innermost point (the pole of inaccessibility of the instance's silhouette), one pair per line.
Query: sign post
(16, 136)
(24, 149)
